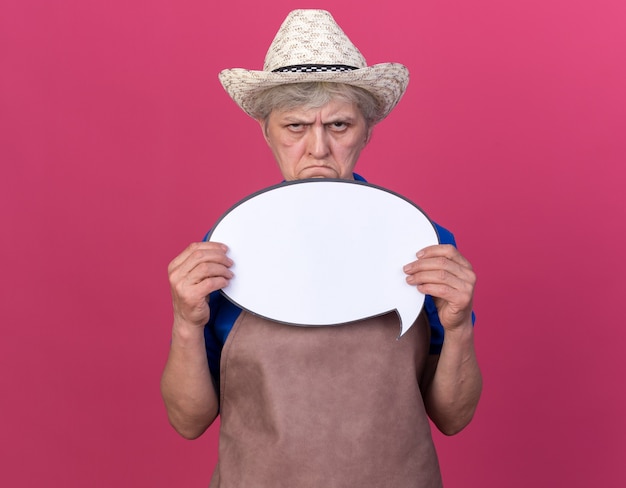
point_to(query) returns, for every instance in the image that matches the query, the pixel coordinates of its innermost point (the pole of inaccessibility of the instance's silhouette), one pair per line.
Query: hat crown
(311, 37)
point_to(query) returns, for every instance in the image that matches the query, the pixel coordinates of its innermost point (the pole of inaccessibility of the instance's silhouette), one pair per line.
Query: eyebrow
(295, 119)
(303, 119)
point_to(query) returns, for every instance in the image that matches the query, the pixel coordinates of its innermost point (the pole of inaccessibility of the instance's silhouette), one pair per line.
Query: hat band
(314, 68)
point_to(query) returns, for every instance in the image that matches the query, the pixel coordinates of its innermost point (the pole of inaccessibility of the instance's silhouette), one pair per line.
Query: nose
(318, 142)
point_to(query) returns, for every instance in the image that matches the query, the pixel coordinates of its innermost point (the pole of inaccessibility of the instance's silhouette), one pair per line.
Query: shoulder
(445, 236)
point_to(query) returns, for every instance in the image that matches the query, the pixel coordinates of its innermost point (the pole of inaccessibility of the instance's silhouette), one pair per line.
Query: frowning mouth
(318, 171)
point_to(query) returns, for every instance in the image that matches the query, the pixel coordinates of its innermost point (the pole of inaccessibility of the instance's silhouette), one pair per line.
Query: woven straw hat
(310, 46)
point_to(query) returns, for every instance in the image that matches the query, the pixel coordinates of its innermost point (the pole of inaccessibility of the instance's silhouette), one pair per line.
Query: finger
(453, 297)
(198, 253)
(438, 269)
(446, 251)
(195, 294)
(444, 257)
(206, 270)
(189, 293)
(445, 266)
(439, 276)
(455, 293)
(195, 248)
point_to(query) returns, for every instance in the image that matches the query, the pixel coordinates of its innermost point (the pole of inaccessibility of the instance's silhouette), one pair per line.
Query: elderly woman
(320, 406)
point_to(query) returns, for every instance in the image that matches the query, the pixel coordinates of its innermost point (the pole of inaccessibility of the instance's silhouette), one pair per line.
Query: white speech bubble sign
(324, 252)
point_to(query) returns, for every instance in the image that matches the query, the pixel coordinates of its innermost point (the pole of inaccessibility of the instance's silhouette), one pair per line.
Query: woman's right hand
(198, 271)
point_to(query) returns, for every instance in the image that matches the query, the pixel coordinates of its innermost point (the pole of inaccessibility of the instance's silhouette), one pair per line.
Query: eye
(338, 126)
(295, 127)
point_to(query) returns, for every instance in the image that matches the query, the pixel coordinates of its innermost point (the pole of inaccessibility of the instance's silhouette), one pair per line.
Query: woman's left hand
(442, 272)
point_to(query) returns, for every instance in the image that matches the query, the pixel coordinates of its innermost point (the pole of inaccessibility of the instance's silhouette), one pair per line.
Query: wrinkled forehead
(325, 104)
(333, 108)
(311, 96)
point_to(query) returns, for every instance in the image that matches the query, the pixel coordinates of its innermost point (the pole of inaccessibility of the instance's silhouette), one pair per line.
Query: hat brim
(386, 81)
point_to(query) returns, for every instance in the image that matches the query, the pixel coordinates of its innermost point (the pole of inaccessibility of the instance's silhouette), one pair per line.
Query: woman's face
(320, 142)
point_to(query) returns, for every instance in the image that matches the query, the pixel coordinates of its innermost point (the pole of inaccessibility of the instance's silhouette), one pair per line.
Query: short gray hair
(314, 95)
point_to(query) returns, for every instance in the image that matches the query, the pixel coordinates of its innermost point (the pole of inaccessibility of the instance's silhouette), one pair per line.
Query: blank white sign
(324, 252)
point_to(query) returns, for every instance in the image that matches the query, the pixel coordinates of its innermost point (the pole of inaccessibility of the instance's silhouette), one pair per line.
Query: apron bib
(324, 407)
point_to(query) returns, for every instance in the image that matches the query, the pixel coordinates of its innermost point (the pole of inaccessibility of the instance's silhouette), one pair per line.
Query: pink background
(118, 147)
